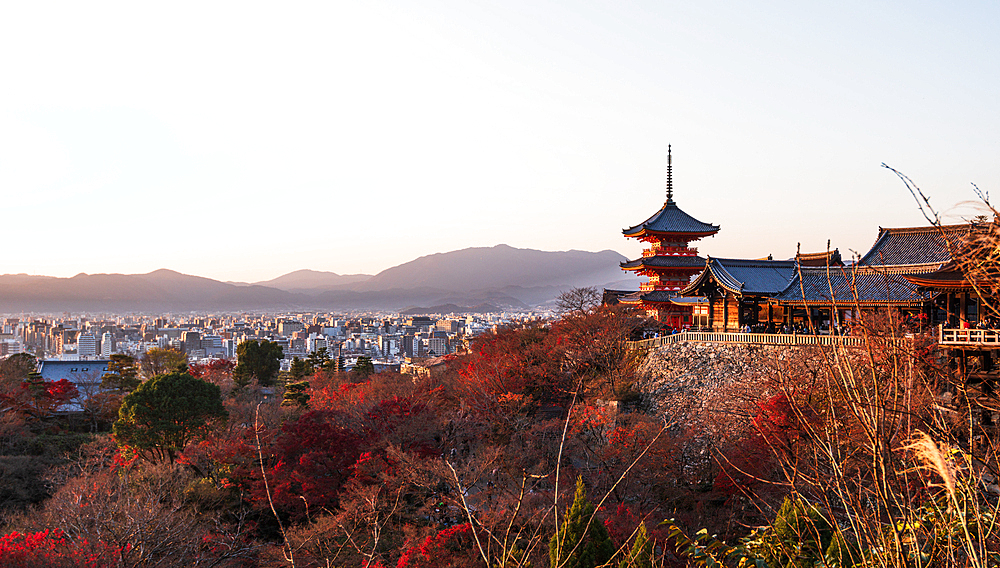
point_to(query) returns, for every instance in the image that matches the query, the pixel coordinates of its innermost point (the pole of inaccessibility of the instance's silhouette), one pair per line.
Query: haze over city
(241, 142)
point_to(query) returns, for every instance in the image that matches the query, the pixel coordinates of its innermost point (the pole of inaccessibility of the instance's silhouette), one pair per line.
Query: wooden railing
(755, 338)
(986, 337)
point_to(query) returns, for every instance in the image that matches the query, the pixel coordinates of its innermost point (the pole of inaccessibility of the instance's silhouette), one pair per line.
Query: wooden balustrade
(968, 337)
(754, 338)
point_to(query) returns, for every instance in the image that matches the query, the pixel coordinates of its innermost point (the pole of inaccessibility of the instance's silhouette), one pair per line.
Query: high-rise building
(86, 345)
(107, 344)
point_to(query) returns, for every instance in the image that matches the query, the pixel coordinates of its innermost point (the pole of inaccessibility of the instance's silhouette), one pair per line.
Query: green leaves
(167, 412)
(257, 360)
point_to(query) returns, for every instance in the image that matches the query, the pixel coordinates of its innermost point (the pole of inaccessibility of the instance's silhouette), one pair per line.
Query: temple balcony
(669, 251)
(958, 337)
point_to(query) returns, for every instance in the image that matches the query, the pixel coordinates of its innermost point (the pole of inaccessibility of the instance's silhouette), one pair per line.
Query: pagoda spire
(670, 180)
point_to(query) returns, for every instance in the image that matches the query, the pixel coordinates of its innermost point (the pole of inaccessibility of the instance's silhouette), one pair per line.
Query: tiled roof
(658, 296)
(631, 298)
(661, 261)
(744, 276)
(849, 285)
(914, 246)
(670, 219)
(831, 258)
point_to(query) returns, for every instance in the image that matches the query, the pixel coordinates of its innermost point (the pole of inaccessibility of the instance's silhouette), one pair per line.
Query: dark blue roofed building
(85, 375)
(737, 290)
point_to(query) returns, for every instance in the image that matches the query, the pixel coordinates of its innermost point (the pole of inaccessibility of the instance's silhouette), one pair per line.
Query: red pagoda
(669, 262)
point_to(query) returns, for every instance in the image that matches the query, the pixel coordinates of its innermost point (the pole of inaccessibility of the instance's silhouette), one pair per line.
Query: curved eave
(931, 284)
(639, 232)
(669, 263)
(848, 304)
(721, 277)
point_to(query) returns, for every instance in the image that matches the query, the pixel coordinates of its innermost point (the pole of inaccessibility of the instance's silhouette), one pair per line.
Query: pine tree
(642, 550)
(575, 545)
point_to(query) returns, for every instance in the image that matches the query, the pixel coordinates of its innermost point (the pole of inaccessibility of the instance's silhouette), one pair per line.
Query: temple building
(669, 261)
(905, 269)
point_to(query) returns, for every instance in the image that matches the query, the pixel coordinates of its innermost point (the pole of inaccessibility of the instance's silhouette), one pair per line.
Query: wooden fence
(754, 338)
(969, 337)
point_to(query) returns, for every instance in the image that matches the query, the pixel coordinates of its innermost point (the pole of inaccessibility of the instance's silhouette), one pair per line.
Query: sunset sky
(244, 140)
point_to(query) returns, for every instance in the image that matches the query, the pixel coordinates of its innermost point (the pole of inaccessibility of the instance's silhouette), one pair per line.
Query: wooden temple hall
(909, 269)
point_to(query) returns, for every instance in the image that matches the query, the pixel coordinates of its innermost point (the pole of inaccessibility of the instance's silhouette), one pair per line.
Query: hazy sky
(244, 140)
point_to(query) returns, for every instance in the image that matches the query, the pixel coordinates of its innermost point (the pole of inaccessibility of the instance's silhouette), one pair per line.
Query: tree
(296, 395)
(578, 301)
(299, 369)
(581, 541)
(122, 375)
(257, 360)
(167, 412)
(642, 550)
(364, 367)
(159, 361)
(16, 367)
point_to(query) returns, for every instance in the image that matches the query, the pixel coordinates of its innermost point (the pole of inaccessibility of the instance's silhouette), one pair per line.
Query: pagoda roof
(671, 220)
(664, 261)
(847, 286)
(745, 276)
(922, 248)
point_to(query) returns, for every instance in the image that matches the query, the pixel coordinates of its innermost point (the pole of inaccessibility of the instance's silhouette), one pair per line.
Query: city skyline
(242, 143)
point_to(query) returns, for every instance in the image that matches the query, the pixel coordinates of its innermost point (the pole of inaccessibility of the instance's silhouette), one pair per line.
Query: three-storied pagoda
(669, 262)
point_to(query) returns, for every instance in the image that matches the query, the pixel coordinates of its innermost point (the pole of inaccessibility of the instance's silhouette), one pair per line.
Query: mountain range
(500, 276)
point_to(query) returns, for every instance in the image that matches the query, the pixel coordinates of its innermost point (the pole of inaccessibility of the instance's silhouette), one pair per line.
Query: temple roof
(849, 285)
(663, 261)
(948, 276)
(924, 248)
(670, 219)
(660, 296)
(828, 258)
(743, 276)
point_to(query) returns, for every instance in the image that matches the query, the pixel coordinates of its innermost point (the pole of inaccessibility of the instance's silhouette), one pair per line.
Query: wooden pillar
(770, 314)
(961, 308)
(711, 312)
(725, 313)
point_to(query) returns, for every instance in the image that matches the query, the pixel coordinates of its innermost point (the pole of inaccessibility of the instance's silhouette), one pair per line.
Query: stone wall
(715, 388)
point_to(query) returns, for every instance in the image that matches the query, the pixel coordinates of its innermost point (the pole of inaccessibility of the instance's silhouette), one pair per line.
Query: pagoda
(669, 261)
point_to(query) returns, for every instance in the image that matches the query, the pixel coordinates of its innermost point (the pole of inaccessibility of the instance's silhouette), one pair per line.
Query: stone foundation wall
(715, 388)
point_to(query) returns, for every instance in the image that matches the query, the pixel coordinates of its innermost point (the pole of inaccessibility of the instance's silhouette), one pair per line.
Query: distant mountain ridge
(500, 276)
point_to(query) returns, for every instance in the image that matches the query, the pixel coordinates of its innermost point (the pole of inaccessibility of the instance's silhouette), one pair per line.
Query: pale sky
(244, 140)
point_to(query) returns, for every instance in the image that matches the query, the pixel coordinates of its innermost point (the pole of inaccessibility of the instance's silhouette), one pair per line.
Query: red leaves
(39, 397)
(53, 548)
(211, 370)
(452, 547)
(776, 429)
(314, 458)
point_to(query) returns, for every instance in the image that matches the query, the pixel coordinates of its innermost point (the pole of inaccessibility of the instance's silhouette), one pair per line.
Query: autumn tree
(578, 301)
(257, 361)
(215, 371)
(167, 412)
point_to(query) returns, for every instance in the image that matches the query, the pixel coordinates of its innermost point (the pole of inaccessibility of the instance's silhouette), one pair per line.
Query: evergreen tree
(364, 367)
(299, 369)
(260, 360)
(167, 412)
(641, 553)
(575, 545)
(122, 375)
